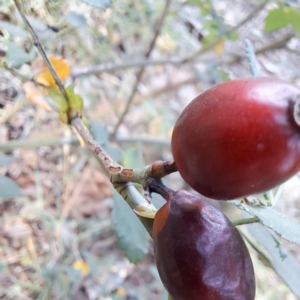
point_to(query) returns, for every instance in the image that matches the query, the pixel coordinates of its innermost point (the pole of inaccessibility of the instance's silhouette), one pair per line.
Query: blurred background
(64, 233)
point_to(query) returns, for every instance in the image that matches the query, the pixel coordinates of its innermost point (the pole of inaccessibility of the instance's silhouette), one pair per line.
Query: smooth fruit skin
(199, 253)
(238, 138)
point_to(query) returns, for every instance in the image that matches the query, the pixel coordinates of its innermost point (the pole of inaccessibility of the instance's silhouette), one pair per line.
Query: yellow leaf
(121, 291)
(42, 74)
(219, 47)
(35, 96)
(165, 43)
(25, 261)
(82, 266)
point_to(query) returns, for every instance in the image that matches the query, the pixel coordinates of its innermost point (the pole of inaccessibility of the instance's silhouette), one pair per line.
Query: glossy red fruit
(199, 253)
(238, 138)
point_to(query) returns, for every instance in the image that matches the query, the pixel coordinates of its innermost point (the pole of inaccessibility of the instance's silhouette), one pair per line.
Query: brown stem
(158, 187)
(40, 48)
(110, 165)
(160, 169)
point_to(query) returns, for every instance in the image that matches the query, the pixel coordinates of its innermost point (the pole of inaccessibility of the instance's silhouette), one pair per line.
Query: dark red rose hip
(238, 138)
(199, 253)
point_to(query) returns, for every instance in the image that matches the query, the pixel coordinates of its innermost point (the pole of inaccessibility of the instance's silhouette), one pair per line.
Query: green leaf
(8, 188)
(224, 76)
(74, 103)
(13, 30)
(281, 17)
(293, 17)
(56, 277)
(287, 228)
(203, 5)
(75, 100)
(219, 21)
(60, 103)
(5, 160)
(102, 4)
(213, 33)
(132, 236)
(99, 132)
(16, 56)
(288, 269)
(194, 2)
(234, 36)
(276, 19)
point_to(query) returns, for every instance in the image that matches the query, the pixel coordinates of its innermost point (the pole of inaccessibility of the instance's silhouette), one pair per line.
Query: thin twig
(203, 50)
(9, 113)
(128, 103)
(144, 140)
(245, 221)
(62, 140)
(157, 29)
(38, 142)
(97, 69)
(274, 44)
(40, 48)
(109, 164)
(141, 71)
